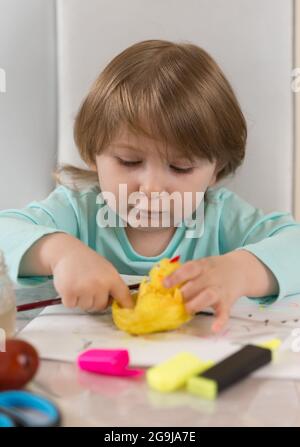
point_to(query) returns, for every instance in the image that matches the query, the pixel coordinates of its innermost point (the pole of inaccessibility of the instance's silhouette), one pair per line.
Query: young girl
(161, 117)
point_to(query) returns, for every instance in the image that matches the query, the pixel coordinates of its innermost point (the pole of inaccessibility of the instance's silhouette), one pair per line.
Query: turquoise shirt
(230, 224)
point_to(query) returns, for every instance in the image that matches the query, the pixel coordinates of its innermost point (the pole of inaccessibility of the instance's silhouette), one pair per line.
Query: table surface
(87, 399)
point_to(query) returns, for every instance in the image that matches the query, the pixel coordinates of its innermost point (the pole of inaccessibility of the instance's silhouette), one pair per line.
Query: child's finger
(193, 287)
(69, 300)
(204, 299)
(188, 270)
(222, 316)
(86, 302)
(121, 293)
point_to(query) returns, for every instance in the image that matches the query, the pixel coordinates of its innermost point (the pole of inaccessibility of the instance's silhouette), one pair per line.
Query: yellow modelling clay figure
(156, 308)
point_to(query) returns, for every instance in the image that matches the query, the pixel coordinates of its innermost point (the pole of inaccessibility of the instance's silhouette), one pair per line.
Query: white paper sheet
(285, 310)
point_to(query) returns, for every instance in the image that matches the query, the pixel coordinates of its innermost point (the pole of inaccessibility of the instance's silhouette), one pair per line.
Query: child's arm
(41, 240)
(39, 258)
(273, 240)
(258, 280)
(20, 229)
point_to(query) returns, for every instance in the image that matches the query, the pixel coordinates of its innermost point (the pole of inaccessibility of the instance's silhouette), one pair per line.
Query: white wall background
(252, 40)
(28, 108)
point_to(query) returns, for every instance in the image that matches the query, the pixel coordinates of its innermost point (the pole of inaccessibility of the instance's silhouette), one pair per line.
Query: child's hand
(214, 281)
(85, 279)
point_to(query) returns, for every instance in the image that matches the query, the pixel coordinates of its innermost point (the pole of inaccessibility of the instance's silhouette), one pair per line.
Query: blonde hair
(172, 92)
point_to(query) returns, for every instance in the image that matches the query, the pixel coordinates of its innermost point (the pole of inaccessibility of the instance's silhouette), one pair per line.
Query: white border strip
(296, 206)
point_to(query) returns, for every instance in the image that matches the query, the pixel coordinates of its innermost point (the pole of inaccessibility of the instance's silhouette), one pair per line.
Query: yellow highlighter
(175, 372)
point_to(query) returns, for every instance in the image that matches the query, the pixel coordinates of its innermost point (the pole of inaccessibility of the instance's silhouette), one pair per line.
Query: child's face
(136, 162)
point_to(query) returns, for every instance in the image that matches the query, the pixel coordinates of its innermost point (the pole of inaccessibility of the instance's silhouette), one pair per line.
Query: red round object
(18, 364)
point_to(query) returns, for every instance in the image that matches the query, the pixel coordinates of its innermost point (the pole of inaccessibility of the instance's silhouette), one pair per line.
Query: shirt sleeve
(21, 228)
(273, 238)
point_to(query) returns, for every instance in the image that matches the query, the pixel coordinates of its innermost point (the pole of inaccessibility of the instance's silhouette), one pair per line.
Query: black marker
(231, 370)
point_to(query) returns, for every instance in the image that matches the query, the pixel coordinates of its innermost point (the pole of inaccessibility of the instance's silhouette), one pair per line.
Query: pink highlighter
(112, 362)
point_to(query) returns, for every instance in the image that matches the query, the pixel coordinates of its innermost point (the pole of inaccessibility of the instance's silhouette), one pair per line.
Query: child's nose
(152, 182)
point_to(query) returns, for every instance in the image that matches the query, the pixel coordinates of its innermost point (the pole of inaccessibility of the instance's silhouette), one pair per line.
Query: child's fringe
(75, 178)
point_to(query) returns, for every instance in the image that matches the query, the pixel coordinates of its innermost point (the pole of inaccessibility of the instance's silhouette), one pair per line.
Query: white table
(92, 400)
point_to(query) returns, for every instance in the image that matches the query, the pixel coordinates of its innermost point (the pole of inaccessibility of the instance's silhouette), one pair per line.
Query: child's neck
(149, 243)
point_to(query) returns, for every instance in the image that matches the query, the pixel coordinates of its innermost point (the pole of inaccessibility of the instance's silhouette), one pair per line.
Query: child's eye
(181, 170)
(128, 163)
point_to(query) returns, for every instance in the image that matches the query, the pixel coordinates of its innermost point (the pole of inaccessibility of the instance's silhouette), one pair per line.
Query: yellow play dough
(156, 308)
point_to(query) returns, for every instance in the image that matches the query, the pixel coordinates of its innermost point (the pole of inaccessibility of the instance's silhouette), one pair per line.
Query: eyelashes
(172, 167)
(128, 163)
(181, 170)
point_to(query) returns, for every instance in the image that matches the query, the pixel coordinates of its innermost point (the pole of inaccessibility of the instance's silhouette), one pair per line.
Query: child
(161, 117)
